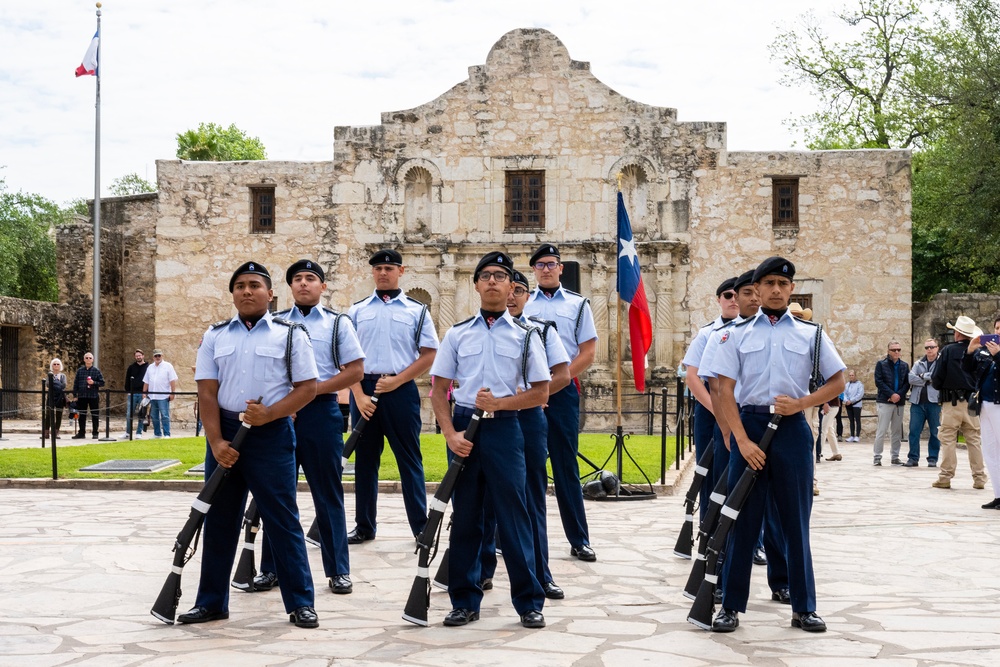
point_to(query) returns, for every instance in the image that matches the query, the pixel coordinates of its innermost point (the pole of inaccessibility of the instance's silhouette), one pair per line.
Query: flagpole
(96, 323)
(618, 307)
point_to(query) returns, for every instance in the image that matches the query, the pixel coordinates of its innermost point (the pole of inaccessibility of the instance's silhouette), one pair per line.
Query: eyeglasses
(157, 355)
(895, 349)
(520, 291)
(499, 276)
(546, 265)
(729, 295)
(930, 347)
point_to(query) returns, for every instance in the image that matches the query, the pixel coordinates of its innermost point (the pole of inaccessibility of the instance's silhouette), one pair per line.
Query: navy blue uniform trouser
(563, 415)
(495, 468)
(535, 430)
(266, 467)
(704, 427)
(319, 445)
(397, 418)
(771, 536)
(786, 480)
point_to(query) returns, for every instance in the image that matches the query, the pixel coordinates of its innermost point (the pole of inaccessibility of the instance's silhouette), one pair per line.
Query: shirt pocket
(797, 358)
(754, 353)
(223, 355)
(268, 363)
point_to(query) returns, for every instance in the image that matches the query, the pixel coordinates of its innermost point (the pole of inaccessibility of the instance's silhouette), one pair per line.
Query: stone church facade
(528, 149)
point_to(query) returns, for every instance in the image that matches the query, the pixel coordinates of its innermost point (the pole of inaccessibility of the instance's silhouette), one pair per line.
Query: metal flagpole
(96, 323)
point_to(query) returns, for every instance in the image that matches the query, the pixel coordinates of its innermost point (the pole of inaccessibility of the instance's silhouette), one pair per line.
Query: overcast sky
(288, 71)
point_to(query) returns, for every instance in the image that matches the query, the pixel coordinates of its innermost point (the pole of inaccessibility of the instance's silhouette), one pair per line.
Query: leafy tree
(213, 143)
(866, 87)
(29, 267)
(130, 184)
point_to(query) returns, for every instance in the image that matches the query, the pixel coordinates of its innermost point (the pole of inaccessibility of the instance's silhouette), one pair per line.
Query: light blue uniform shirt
(387, 330)
(477, 356)
(555, 353)
(770, 361)
(320, 322)
(564, 309)
(711, 346)
(697, 347)
(252, 363)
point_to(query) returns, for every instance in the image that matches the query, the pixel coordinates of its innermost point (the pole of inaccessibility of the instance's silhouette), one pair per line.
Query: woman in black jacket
(56, 400)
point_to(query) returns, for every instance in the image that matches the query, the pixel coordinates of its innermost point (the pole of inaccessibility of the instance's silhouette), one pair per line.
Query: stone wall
(931, 318)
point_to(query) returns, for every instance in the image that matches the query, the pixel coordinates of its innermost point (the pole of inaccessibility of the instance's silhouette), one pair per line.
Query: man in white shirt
(159, 386)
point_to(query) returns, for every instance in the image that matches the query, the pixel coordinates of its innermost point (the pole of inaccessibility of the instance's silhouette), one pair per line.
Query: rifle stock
(246, 569)
(165, 607)
(359, 428)
(312, 536)
(685, 539)
(703, 607)
(705, 530)
(419, 600)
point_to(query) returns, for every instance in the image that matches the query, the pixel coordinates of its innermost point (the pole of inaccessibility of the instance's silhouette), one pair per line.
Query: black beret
(774, 266)
(250, 267)
(546, 250)
(494, 259)
(304, 265)
(725, 286)
(386, 256)
(744, 280)
(520, 279)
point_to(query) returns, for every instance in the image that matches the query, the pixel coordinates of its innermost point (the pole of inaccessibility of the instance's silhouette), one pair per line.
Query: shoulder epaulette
(362, 300)
(523, 325)
(282, 321)
(799, 319)
(744, 322)
(726, 325)
(330, 310)
(707, 324)
(458, 324)
(544, 323)
(283, 313)
(220, 323)
(569, 291)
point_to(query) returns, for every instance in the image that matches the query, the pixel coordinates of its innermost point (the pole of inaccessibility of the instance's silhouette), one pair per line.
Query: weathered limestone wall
(931, 318)
(852, 251)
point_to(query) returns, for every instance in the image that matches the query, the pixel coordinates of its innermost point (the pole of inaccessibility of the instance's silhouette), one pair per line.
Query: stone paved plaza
(906, 574)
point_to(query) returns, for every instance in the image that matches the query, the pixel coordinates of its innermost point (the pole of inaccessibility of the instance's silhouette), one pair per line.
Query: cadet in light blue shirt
(500, 365)
(239, 360)
(398, 337)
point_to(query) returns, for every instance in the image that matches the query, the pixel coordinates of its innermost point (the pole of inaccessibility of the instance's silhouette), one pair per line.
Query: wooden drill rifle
(246, 568)
(359, 428)
(440, 579)
(686, 537)
(420, 593)
(165, 607)
(704, 604)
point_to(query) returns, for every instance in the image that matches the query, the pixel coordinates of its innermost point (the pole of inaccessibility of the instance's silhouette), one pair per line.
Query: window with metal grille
(262, 210)
(804, 300)
(525, 201)
(785, 203)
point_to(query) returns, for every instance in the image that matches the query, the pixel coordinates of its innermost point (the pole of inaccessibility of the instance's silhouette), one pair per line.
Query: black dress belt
(376, 376)
(757, 409)
(462, 411)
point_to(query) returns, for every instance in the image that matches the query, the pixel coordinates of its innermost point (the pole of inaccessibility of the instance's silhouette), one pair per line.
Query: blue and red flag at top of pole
(630, 289)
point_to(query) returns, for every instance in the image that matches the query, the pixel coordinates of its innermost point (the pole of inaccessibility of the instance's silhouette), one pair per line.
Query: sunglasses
(930, 347)
(895, 349)
(729, 295)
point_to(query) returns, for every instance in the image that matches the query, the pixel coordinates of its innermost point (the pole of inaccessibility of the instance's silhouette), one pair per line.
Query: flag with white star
(630, 289)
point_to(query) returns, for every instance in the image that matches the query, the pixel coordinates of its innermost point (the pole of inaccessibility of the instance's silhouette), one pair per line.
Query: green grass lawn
(37, 462)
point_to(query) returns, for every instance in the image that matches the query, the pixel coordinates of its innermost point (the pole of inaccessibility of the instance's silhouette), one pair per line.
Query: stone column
(446, 304)
(663, 325)
(599, 304)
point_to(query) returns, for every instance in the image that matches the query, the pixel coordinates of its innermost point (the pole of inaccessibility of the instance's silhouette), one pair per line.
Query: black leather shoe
(304, 617)
(486, 584)
(759, 557)
(458, 617)
(726, 621)
(552, 591)
(781, 595)
(910, 463)
(897, 462)
(265, 581)
(79, 436)
(533, 619)
(808, 621)
(341, 584)
(583, 552)
(992, 505)
(357, 537)
(202, 615)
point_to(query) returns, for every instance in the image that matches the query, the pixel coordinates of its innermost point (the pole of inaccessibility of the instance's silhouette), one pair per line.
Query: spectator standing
(133, 385)
(159, 386)
(854, 392)
(86, 388)
(956, 385)
(56, 399)
(925, 407)
(892, 381)
(984, 365)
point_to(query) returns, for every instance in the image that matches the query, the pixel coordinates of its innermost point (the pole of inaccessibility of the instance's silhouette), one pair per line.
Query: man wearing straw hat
(955, 386)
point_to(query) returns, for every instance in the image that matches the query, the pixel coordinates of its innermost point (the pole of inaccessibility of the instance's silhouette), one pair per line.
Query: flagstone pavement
(906, 575)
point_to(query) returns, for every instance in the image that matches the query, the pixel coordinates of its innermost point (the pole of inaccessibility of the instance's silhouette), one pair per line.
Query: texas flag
(89, 65)
(640, 326)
